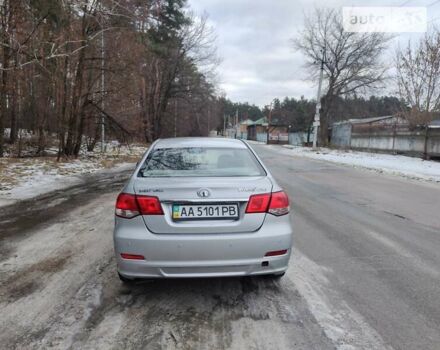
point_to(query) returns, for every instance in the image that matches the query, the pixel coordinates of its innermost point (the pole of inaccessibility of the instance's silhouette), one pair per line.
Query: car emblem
(203, 193)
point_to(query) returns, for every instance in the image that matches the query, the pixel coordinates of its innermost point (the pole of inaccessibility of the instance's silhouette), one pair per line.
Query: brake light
(126, 206)
(149, 205)
(129, 205)
(279, 204)
(276, 203)
(258, 203)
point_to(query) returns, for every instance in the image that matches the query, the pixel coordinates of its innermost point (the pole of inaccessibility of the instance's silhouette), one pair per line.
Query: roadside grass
(6, 180)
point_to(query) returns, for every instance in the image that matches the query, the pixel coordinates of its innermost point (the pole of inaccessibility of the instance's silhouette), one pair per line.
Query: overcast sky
(259, 62)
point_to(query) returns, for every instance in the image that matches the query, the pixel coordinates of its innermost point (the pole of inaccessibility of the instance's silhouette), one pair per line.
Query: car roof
(207, 142)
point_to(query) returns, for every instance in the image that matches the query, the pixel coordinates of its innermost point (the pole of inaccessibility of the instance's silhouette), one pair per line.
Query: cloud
(259, 62)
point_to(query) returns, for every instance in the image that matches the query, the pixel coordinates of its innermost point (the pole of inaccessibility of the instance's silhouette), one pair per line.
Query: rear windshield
(199, 161)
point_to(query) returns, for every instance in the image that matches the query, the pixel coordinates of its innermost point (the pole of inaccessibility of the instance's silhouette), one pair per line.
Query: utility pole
(316, 122)
(224, 124)
(175, 118)
(270, 113)
(209, 119)
(269, 122)
(236, 123)
(102, 93)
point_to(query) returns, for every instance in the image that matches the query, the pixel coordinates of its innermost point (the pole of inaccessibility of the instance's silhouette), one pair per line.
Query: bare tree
(418, 77)
(199, 42)
(352, 61)
(175, 69)
(5, 30)
(53, 54)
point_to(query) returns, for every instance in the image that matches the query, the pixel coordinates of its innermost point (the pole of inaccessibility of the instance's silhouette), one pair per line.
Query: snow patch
(345, 327)
(24, 178)
(409, 167)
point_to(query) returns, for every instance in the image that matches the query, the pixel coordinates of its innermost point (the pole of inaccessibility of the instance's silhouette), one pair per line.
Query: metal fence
(392, 138)
(262, 136)
(295, 138)
(298, 138)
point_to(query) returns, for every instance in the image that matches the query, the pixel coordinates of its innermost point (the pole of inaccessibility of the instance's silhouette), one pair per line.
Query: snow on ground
(23, 178)
(344, 326)
(414, 168)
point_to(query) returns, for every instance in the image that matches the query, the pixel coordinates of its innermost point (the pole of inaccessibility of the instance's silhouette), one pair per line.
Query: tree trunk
(144, 111)
(62, 108)
(79, 132)
(14, 122)
(41, 138)
(2, 113)
(326, 119)
(76, 95)
(4, 28)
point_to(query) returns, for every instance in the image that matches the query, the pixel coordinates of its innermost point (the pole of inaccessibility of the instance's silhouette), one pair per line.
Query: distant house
(278, 134)
(242, 128)
(257, 130)
(260, 130)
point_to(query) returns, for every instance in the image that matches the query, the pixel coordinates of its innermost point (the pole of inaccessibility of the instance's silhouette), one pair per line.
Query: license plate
(205, 211)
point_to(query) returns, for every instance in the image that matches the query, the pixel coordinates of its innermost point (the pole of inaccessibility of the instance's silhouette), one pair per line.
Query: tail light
(279, 204)
(276, 203)
(129, 205)
(149, 205)
(258, 203)
(126, 206)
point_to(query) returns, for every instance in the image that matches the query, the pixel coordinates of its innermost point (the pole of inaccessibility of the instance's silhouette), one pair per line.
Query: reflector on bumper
(276, 252)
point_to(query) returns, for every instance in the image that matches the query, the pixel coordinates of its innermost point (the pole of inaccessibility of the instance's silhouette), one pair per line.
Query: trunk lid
(221, 190)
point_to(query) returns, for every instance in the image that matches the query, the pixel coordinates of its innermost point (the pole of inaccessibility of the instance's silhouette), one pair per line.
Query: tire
(125, 280)
(276, 276)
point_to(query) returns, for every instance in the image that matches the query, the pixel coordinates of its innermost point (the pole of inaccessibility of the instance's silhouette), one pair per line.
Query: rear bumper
(202, 255)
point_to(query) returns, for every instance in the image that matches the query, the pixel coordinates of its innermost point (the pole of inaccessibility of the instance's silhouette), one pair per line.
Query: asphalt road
(365, 272)
(377, 237)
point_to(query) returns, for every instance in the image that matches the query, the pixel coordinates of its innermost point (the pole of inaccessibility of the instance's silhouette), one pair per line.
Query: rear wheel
(276, 276)
(125, 280)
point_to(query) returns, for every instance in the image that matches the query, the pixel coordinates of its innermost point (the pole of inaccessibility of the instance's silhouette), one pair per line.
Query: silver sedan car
(201, 207)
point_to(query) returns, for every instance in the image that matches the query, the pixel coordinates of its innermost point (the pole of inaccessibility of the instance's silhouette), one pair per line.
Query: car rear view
(201, 207)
